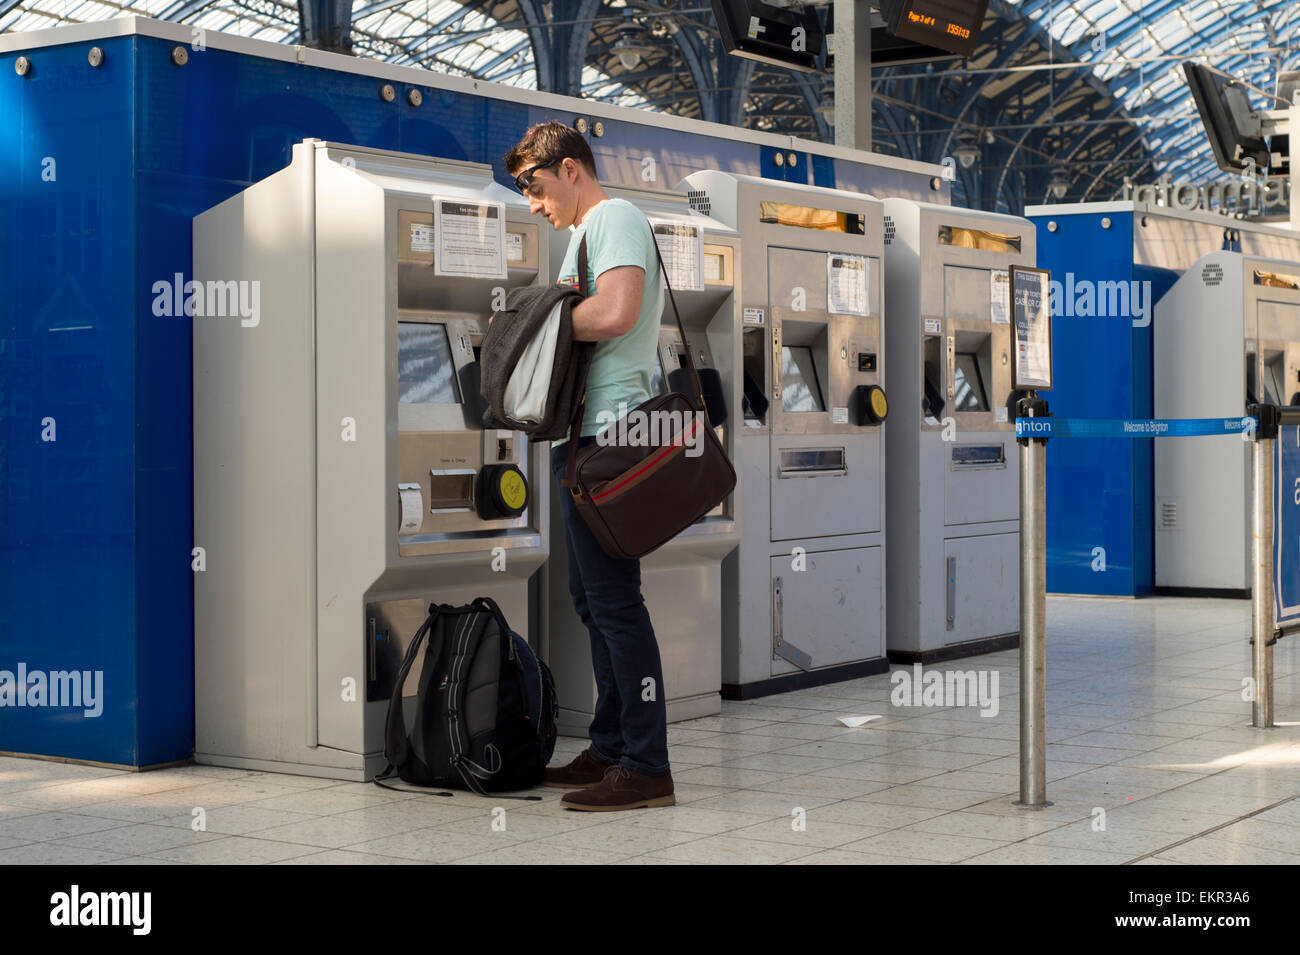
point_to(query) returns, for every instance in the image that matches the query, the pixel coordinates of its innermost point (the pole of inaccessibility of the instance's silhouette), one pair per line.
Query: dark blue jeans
(607, 596)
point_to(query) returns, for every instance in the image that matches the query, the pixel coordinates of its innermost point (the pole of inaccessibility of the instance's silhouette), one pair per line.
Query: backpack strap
(471, 772)
(395, 741)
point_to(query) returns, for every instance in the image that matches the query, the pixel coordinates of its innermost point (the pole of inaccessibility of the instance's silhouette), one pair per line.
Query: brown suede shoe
(621, 788)
(585, 770)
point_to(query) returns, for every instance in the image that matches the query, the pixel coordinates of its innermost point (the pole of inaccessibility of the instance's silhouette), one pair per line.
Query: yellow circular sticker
(879, 404)
(514, 492)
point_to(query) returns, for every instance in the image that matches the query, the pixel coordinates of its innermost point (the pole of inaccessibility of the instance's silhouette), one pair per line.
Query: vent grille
(699, 200)
(1168, 515)
(890, 230)
(1212, 275)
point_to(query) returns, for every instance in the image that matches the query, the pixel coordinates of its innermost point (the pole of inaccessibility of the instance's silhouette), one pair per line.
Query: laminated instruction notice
(1032, 349)
(1000, 296)
(682, 246)
(469, 238)
(846, 283)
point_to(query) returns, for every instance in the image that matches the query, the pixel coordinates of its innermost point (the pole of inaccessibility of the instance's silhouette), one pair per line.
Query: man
(626, 764)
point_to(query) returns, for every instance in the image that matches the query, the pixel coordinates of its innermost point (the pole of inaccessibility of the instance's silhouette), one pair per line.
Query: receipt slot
(681, 582)
(953, 485)
(804, 592)
(343, 479)
(1227, 335)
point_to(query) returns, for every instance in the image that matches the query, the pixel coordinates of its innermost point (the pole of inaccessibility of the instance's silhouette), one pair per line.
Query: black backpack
(485, 708)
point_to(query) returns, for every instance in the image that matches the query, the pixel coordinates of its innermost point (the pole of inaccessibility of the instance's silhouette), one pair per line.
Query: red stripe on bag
(652, 463)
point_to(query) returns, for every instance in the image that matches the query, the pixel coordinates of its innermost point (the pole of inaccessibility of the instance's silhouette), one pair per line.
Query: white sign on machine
(469, 238)
(847, 284)
(682, 246)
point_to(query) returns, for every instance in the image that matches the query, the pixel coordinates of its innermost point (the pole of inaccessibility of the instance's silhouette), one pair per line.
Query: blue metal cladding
(69, 529)
(1099, 491)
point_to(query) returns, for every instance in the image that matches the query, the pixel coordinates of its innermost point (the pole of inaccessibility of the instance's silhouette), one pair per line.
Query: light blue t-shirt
(618, 234)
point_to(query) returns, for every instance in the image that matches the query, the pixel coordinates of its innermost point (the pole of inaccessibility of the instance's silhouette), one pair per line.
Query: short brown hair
(547, 141)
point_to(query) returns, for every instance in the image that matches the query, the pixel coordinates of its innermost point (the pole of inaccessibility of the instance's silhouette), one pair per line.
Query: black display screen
(952, 25)
(425, 371)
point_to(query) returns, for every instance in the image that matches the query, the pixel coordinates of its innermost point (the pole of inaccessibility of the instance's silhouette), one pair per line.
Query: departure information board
(952, 25)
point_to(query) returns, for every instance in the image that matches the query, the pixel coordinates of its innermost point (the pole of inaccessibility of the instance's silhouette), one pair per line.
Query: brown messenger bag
(636, 498)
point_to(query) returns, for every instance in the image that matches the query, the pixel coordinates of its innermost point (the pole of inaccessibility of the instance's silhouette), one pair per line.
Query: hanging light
(1060, 184)
(966, 152)
(630, 47)
(826, 106)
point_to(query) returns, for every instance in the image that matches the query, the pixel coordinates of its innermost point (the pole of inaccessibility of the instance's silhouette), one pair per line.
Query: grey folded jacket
(512, 328)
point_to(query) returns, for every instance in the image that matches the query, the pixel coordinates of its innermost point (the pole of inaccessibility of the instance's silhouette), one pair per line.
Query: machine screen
(800, 389)
(967, 385)
(425, 371)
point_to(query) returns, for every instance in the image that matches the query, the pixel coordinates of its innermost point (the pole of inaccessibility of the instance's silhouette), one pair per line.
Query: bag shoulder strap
(686, 349)
(580, 390)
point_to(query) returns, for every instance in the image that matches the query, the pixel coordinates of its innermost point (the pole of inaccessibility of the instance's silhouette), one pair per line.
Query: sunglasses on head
(524, 181)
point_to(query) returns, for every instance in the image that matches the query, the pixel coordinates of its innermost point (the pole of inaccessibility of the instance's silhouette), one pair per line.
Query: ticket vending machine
(343, 479)
(681, 582)
(953, 485)
(1227, 335)
(804, 592)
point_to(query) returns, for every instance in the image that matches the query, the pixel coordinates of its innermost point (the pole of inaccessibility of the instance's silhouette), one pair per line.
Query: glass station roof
(1129, 51)
(1136, 49)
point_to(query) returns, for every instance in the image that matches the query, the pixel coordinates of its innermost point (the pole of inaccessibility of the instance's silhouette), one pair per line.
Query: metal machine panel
(824, 488)
(809, 455)
(977, 574)
(322, 574)
(847, 580)
(981, 483)
(952, 491)
(1229, 333)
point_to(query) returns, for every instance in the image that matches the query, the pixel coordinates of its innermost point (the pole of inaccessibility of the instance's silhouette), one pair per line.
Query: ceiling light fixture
(630, 47)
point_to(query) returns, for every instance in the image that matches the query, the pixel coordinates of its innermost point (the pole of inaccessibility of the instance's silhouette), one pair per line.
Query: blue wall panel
(1098, 490)
(67, 353)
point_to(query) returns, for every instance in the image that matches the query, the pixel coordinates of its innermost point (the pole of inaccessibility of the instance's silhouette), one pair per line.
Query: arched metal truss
(1086, 91)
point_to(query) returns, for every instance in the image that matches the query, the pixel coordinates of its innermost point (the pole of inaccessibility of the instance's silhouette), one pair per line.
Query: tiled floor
(1146, 722)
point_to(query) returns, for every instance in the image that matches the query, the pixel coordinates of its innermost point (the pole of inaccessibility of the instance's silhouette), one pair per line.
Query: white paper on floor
(856, 721)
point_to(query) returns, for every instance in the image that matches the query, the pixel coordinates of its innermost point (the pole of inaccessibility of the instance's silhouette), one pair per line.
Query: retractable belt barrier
(1045, 428)
(1275, 591)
